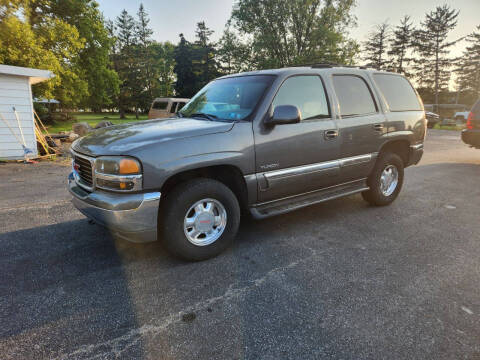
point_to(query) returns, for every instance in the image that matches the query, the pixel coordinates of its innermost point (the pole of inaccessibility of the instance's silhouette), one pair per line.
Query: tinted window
(160, 105)
(398, 92)
(172, 109)
(180, 106)
(306, 93)
(353, 95)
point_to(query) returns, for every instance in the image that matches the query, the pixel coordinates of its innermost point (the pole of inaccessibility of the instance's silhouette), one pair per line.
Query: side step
(277, 207)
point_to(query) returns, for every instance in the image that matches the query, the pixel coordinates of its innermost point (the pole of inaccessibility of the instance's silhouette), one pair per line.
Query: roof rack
(330, 65)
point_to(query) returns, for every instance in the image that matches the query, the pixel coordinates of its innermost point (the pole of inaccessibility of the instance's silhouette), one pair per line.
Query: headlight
(118, 173)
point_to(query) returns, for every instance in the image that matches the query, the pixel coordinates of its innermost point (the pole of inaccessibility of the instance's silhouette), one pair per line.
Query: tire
(173, 223)
(375, 195)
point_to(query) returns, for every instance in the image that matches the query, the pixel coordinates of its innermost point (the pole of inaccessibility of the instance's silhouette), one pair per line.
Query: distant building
(16, 91)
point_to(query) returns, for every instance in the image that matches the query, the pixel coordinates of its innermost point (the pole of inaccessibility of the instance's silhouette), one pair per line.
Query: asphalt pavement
(338, 280)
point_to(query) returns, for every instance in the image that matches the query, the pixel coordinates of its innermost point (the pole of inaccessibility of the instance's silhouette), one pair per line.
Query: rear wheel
(385, 181)
(199, 219)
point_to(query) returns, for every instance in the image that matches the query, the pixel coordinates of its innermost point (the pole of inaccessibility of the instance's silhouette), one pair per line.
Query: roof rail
(330, 65)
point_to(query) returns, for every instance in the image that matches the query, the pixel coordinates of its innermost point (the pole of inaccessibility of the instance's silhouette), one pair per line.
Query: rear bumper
(471, 137)
(416, 153)
(132, 217)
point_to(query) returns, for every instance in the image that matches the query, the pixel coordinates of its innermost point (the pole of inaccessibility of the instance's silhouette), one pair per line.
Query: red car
(471, 135)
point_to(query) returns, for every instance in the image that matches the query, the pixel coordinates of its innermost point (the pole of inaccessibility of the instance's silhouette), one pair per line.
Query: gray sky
(171, 17)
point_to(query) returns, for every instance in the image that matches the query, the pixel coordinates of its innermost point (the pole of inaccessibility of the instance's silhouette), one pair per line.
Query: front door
(361, 126)
(292, 159)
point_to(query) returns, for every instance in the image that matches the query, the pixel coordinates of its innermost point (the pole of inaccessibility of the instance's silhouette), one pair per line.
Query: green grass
(448, 127)
(92, 119)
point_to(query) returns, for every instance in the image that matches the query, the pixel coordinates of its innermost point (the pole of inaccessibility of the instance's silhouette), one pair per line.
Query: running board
(277, 207)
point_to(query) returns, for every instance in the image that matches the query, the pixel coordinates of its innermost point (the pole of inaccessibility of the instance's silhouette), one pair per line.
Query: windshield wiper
(210, 117)
(179, 114)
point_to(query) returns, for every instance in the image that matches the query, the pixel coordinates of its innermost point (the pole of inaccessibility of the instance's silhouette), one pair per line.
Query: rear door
(361, 125)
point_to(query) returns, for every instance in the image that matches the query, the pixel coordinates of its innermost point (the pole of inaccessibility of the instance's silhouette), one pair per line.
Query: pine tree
(433, 65)
(468, 80)
(144, 59)
(400, 44)
(376, 47)
(204, 55)
(185, 84)
(125, 61)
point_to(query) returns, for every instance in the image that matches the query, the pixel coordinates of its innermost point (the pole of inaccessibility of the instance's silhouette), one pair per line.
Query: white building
(16, 91)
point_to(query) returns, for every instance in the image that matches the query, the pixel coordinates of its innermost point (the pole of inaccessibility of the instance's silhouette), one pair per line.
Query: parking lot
(336, 280)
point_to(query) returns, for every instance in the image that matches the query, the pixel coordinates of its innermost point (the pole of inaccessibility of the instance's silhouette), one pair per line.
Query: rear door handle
(378, 127)
(331, 134)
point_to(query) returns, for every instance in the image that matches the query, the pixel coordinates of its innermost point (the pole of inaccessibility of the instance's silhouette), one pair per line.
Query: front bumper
(416, 153)
(132, 217)
(471, 137)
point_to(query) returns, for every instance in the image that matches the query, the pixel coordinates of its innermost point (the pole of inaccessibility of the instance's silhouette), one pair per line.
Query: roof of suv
(308, 69)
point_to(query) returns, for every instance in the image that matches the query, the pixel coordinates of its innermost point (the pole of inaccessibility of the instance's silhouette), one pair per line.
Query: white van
(166, 107)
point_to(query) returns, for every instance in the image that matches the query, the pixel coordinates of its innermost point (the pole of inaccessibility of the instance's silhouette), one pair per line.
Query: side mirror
(285, 114)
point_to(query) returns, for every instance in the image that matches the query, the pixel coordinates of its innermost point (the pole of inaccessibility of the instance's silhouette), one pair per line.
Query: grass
(92, 119)
(448, 127)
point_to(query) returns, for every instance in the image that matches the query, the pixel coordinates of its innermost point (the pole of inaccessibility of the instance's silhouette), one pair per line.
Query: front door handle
(378, 127)
(331, 134)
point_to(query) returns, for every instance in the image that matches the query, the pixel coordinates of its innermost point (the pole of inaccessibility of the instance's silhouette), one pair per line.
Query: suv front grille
(84, 170)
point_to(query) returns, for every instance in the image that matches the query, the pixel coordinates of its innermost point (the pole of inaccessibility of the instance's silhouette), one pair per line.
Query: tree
(468, 69)
(204, 56)
(400, 44)
(45, 42)
(234, 55)
(432, 44)
(185, 84)
(144, 58)
(163, 67)
(376, 47)
(125, 62)
(288, 32)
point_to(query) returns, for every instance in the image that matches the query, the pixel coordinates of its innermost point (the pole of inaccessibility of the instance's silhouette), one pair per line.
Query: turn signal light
(129, 166)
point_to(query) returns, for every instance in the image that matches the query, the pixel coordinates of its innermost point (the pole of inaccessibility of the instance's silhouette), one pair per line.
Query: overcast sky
(172, 17)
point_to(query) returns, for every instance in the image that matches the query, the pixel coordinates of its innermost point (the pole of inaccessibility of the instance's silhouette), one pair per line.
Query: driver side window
(307, 94)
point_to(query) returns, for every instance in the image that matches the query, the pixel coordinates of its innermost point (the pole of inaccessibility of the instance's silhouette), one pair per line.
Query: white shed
(16, 91)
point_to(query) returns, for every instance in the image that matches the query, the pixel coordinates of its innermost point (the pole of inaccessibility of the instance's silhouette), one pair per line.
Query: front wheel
(199, 219)
(385, 181)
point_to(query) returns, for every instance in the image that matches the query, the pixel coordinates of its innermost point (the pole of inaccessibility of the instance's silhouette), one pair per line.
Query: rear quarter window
(398, 92)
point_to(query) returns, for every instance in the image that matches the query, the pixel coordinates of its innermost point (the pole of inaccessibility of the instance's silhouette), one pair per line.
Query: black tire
(174, 209)
(374, 195)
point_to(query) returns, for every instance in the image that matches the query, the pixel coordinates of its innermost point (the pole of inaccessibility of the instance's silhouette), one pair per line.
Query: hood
(122, 139)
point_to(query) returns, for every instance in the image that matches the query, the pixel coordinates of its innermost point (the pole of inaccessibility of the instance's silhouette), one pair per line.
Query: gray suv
(268, 142)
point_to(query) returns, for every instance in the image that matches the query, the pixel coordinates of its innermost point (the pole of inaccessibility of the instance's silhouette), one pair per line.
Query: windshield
(228, 99)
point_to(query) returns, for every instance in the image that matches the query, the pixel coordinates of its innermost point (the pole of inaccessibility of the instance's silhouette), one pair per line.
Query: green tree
(376, 47)
(125, 62)
(145, 58)
(185, 85)
(433, 47)
(206, 68)
(234, 56)
(93, 59)
(45, 42)
(163, 67)
(468, 69)
(286, 32)
(401, 44)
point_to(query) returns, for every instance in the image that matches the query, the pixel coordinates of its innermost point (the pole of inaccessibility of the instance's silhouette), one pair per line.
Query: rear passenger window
(354, 95)
(398, 92)
(172, 109)
(306, 93)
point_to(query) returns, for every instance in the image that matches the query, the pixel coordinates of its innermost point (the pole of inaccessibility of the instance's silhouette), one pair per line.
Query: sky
(169, 18)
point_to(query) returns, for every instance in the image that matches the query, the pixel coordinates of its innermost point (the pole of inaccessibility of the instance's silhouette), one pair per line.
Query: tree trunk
(122, 113)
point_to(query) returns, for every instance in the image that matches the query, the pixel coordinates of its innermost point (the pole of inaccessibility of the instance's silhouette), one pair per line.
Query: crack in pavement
(122, 343)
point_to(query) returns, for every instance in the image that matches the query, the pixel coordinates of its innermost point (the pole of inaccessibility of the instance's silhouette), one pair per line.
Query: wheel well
(399, 147)
(229, 175)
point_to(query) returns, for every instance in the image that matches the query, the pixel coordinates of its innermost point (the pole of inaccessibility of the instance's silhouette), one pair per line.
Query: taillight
(470, 120)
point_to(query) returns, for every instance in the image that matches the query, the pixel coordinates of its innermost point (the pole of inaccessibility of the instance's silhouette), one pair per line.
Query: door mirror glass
(285, 114)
